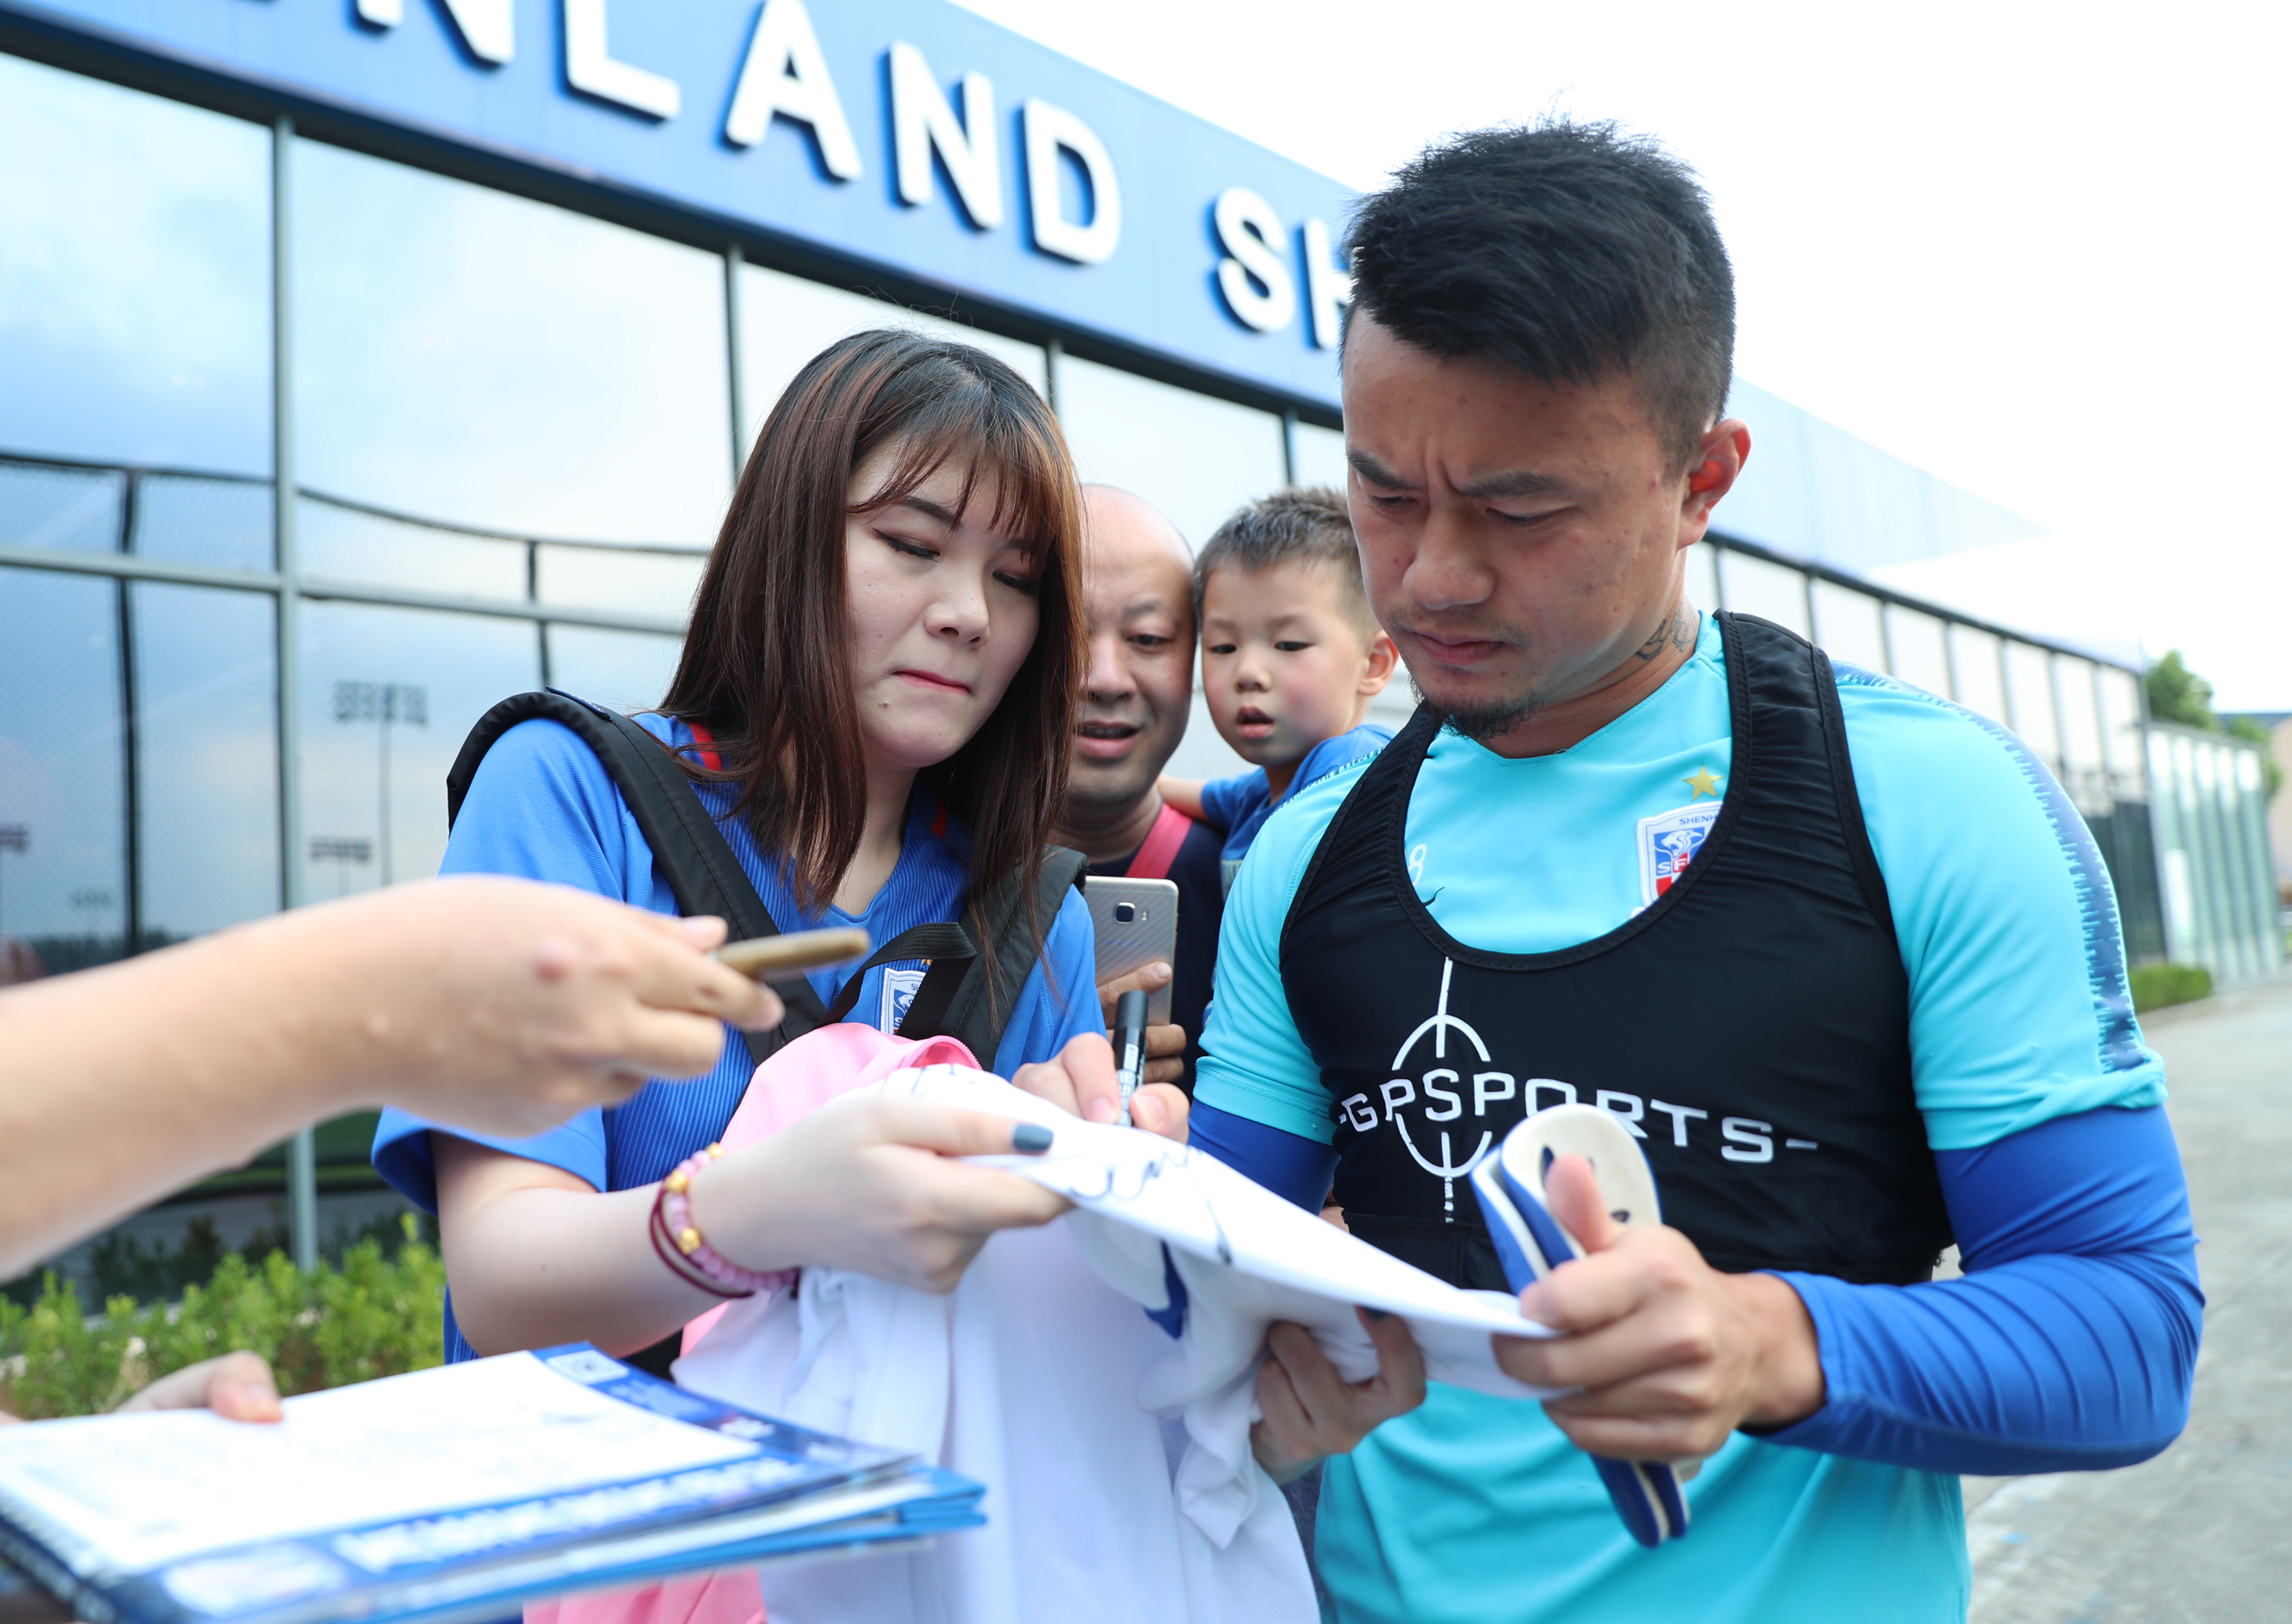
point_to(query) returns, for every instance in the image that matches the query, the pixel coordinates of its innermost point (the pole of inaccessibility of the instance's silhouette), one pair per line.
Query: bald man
(1138, 593)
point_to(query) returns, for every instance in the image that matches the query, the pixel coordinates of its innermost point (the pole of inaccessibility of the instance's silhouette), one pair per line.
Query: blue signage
(907, 134)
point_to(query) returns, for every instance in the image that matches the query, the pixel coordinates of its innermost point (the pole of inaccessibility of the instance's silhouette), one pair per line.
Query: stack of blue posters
(443, 1496)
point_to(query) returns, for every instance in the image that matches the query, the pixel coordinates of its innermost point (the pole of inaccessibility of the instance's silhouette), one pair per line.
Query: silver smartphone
(1137, 921)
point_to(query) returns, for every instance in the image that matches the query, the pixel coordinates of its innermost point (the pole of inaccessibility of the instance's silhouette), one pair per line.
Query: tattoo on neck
(1677, 634)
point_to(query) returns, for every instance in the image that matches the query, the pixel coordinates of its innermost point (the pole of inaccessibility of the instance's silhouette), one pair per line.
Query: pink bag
(806, 1074)
(731, 1596)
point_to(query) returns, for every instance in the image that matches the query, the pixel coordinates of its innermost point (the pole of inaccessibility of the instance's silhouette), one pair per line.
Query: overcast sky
(2039, 250)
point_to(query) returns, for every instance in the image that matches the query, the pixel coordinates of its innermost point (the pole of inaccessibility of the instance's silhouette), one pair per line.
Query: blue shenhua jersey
(542, 807)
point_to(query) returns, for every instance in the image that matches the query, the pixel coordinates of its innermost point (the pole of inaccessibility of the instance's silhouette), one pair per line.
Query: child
(1291, 657)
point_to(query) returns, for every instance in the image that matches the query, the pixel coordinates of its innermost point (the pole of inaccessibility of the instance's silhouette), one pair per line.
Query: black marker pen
(1129, 1048)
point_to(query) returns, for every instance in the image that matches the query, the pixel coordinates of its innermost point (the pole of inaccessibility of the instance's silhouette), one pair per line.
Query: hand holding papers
(447, 1494)
(1217, 1260)
(1180, 1232)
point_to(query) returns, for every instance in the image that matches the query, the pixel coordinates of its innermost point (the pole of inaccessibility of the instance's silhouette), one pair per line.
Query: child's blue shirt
(543, 807)
(1238, 807)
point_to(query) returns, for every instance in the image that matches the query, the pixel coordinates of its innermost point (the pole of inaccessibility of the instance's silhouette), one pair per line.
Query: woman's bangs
(974, 429)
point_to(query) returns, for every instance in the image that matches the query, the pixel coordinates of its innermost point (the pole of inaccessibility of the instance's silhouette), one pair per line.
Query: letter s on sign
(1453, 1106)
(1748, 1141)
(1359, 1113)
(1254, 275)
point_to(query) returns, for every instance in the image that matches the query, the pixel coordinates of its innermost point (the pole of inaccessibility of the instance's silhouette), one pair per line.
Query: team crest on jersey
(899, 990)
(1669, 841)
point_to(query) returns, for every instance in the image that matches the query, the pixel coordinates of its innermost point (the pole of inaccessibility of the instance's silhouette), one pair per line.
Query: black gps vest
(1751, 1024)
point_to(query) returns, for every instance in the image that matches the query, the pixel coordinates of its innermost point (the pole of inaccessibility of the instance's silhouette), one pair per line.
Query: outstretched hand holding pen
(499, 1005)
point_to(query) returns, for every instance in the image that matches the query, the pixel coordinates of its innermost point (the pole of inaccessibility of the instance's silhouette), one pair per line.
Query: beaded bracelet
(677, 1240)
(665, 1249)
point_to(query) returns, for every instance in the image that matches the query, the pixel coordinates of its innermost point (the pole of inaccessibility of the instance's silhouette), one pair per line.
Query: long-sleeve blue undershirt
(2069, 1345)
(2071, 1342)
(1293, 1167)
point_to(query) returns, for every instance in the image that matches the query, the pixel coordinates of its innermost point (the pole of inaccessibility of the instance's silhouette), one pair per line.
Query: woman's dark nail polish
(1031, 1139)
(1375, 1313)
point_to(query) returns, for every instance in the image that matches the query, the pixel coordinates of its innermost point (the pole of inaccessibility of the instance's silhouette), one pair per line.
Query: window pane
(1921, 655)
(627, 670)
(2073, 686)
(134, 277)
(2120, 729)
(1848, 624)
(224, 524)
(1977, 679)
(2029, 694)
(387, 696)
(786, 320)
(207, 742)
(63, 803)
(1320, 455)
(1761, 587)
(1196, 458)
(607, 578)
(486, 360)
(2082, 769)
(1703, 577)
(67, 510)
(357, 545)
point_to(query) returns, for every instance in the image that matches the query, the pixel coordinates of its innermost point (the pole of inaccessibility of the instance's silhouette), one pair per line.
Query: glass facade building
(509, 432)
(323, 428)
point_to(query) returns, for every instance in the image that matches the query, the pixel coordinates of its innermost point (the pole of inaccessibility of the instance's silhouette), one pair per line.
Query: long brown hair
(767, 663)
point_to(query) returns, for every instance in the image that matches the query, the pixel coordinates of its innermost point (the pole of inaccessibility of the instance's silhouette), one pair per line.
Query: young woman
(874, 701)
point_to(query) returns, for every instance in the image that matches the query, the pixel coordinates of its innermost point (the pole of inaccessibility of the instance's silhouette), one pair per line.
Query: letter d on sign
(1049, 132)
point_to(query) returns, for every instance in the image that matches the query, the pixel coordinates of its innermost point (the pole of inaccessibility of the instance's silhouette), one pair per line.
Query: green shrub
(159, 1271)
(2155, 985)
(374, 1315)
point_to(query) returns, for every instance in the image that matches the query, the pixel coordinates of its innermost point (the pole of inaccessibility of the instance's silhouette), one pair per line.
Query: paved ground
(2204, 1532)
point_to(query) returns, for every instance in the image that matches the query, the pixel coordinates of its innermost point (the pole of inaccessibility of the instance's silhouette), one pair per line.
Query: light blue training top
(1474, 1509)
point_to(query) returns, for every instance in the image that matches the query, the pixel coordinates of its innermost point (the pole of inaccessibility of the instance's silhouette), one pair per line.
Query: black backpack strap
(689, 850)
(972, 1003)
(926, 1016)
(934, 944)
(959, 997)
